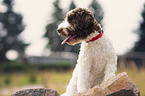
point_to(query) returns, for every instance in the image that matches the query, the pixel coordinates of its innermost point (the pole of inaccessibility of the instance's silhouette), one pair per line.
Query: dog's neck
(94, 36)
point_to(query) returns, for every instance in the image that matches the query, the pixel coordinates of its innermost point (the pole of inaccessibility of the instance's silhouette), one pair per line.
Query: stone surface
(119, 85)
(36, 92)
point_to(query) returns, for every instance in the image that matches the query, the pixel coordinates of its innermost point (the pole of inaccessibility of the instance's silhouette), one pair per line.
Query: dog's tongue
(65, 40)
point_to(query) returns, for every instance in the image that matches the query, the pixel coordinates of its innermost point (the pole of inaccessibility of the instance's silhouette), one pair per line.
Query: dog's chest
(91, 59)
(92, 55)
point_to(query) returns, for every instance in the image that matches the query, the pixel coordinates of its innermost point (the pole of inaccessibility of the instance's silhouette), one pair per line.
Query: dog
(97, 60)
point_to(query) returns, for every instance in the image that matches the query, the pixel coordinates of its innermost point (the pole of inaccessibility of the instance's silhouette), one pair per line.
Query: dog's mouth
(68, 38)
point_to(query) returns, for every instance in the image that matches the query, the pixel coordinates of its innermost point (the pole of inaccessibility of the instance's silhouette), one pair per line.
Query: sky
(121, 18)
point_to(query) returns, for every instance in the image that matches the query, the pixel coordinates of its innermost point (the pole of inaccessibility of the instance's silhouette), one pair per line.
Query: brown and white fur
(97, 59)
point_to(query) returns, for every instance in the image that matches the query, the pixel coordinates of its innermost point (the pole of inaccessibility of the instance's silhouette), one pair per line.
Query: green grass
(17, 79)
(58, 80)
(49, 79)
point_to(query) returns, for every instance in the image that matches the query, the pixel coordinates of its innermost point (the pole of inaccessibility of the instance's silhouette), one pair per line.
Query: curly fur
(97, 60)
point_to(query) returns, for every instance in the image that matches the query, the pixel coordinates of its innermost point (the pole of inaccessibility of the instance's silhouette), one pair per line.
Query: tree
(51, 34)
(140, 44)
(72, 5)
(54, 39)
(97, 10)
(10, 28)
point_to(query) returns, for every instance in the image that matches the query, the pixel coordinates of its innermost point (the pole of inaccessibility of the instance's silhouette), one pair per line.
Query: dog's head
(78, 25)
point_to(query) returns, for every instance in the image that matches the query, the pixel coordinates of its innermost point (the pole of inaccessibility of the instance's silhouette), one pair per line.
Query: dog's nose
(60, 30)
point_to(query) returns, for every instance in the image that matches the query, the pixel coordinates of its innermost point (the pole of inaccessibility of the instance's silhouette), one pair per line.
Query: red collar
(96, 37)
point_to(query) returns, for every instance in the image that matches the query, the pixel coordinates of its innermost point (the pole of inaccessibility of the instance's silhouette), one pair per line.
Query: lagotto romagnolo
(97, 59)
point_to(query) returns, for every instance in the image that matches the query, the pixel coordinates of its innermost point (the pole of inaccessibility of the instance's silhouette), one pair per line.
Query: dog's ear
(85, 21)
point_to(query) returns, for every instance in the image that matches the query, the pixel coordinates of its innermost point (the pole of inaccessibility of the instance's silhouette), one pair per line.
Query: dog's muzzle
(62, 31)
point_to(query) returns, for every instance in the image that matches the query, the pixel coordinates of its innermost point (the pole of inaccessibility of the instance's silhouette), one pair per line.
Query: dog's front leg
(83, 78)
(111, 68)
(72, 86)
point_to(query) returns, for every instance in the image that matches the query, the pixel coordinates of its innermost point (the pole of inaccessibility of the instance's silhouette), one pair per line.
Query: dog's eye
(67, 29)
(60, 30)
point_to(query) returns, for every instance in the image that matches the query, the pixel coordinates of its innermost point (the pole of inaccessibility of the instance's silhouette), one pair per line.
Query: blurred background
(30, 52)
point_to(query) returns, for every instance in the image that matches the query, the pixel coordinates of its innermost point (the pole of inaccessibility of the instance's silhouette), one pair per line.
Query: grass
(137, 76)
(49, 79)
(16, 79)
(58, 80)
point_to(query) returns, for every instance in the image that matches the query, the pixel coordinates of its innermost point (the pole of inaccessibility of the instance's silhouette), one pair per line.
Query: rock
(119, 85)
(36, 92)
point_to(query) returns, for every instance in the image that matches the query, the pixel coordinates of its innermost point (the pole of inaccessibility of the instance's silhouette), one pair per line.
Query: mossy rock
(36, 92)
